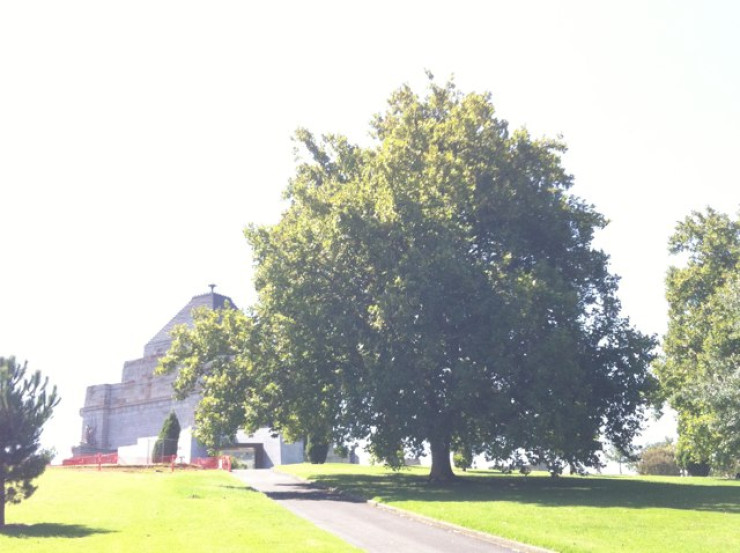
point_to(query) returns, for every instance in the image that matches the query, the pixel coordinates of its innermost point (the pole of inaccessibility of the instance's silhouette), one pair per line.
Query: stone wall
(119, 414)
(123, 414)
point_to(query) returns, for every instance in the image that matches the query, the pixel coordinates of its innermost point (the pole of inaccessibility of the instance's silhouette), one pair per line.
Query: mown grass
(115, 511)
(567, 514)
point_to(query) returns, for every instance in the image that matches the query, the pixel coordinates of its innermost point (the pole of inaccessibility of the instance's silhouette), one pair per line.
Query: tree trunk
(2, 496)
(441, 467)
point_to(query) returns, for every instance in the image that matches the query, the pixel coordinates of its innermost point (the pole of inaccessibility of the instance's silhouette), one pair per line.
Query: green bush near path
(568, 514)
(118, 511)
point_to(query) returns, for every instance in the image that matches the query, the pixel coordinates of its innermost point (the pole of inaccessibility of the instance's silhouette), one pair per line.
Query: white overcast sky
(138, 138)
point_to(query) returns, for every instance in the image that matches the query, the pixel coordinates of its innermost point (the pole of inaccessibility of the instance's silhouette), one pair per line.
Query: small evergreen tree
(316, 449)
(166, 444)
(25, 405)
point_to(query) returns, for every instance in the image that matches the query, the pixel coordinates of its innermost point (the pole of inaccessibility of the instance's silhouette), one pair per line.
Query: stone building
(126, 416)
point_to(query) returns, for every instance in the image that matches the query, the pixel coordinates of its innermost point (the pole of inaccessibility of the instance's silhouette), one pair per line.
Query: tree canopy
(25, 405)
(439, 286)
(213, 356)
(700, 367)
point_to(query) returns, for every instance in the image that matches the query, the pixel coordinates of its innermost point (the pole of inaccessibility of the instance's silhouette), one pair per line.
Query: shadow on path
(50, 530)
(311, 492)
(306, 491)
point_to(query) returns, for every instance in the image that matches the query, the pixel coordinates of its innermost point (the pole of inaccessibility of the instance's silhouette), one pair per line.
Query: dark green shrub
(698, 469)
(659, 459)
(463, 459)
(316, 450)
(166, 445)
(693, 467)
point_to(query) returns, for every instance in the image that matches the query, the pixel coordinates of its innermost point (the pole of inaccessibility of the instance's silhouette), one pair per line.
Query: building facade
(126, 416)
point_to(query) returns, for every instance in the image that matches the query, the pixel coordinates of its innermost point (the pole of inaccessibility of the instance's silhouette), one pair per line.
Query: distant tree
(659, 459)
(700, 369)
(25, 405)
(463, 458)
(166, 445)
(621, 458)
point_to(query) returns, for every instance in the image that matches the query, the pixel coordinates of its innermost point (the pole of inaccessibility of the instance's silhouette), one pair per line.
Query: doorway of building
(249, 456)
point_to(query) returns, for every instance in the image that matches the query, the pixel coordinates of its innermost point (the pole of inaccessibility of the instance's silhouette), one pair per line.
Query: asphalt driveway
(368, 526)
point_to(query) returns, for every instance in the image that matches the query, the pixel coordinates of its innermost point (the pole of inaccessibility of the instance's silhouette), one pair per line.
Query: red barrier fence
(206, 462)
(99, 459)
(212, 463)
(223, 462)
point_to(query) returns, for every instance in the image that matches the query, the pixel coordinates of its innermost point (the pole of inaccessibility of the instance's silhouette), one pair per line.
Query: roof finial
(212, 286)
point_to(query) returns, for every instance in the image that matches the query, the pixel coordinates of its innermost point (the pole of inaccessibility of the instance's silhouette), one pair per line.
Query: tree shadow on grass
(591, 491)
(236, 487)
(50, 530)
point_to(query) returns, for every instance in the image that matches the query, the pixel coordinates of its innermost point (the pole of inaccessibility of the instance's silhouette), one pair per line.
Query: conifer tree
(166, 444)
(25, 405)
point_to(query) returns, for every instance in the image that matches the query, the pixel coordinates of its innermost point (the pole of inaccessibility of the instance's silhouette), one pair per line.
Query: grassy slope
(114, 511)
(569, 514)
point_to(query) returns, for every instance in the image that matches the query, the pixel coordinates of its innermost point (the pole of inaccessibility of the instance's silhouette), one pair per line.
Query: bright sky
(138, 138)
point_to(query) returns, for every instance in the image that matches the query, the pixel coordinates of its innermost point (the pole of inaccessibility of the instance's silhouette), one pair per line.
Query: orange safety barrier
(212, 463)
(107, 459)
(206, 462)
(223, 462)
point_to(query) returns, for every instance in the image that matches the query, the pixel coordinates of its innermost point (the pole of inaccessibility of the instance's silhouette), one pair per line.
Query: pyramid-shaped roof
(162, 340)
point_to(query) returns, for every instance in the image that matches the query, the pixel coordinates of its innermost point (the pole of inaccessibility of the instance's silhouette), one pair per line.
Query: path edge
(515, 546)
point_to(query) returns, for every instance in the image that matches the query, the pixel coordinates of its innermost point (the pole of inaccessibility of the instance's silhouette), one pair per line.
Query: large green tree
(25, 405)
(701, 349)
(439, 286)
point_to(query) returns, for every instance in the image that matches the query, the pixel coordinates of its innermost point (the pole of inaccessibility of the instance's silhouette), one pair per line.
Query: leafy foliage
(438, 286)
(213, 357)
(25, 405)
(463, 459)
(700, 369)
(659, 459)
(166, 445)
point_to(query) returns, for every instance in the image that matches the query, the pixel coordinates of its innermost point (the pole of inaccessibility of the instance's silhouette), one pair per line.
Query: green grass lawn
(568, 514)
(111, 511)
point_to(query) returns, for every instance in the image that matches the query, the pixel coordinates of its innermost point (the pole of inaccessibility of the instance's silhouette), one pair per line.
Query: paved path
(366, 526)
